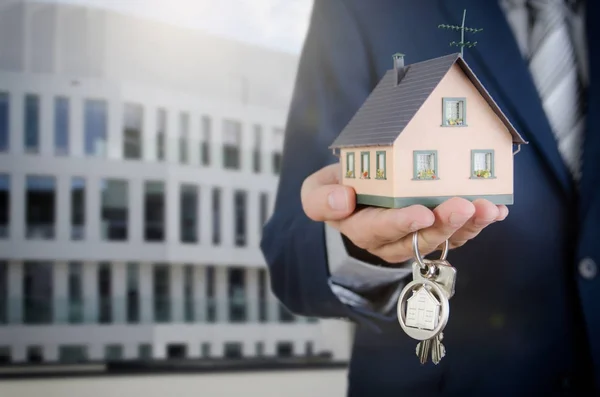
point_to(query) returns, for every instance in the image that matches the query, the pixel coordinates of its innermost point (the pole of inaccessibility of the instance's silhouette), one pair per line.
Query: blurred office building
(138, 164)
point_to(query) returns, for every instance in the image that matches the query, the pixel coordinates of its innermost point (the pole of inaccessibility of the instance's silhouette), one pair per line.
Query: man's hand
(387, 233)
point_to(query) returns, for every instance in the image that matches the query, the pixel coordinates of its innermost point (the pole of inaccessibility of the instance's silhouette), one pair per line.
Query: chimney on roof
(399, 67)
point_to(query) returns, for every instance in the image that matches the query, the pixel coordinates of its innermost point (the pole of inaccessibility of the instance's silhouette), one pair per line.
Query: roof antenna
(462, 29)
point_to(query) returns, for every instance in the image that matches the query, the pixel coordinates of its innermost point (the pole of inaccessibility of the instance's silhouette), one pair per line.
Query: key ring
(424, 266)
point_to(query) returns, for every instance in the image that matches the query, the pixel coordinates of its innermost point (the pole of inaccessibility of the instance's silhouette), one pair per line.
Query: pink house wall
(453, 144)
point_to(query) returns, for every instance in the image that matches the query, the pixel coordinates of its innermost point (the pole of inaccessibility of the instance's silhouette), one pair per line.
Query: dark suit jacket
(525, 319)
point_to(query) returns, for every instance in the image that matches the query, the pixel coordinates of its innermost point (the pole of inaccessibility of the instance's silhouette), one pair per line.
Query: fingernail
(338, 200)
(457, 219)
(413, 227)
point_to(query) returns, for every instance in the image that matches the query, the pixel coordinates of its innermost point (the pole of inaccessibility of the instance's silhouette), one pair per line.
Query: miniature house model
(428, 132)
(422, 310)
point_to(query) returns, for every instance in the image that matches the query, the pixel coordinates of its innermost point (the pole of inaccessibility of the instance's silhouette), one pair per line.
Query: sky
(276, 24)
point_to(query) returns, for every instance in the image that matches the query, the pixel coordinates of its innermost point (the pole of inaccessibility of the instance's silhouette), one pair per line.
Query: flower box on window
(365, 175)
(483, 174)
(349, 174)
(426, 174)
(380, 174)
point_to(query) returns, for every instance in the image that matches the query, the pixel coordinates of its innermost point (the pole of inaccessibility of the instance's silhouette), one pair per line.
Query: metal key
(423, 349)
(438, 351)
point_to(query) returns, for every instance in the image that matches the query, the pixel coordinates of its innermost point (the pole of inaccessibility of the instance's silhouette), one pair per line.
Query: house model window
(349, 165)
(425, 165)
(454, 112)
(364, 165)
(380, 156)
(482, 164)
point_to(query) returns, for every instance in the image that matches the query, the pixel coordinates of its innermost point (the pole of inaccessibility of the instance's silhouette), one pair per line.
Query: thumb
(325, 200)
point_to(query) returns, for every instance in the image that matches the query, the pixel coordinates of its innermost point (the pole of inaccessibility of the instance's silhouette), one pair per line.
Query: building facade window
(232, 350)
(35, 354)
(260, 349)
(188, 293)
(454, 112)
(4, 121)
(211, 307)
(145, 351)
(40, 205)
(257, 153)
(188, 216)
(262, 295)
(75, 292)
(205, 349)
(133, 119)
(162, 294)
(216, 216)
(37, 292)
(425, 165)
(72, 354)
(184, 132)
(206, 140)
(133, 293)
(263, 211)
(285, 349)
(104, 293)
(237, 294)
(61, 126)
(482, 164)
(3, 292)
(4, 205)
(5, 355)
(113, 352)
(240, 218)
(278, 135)
(77, 209)
(350, 163)
(32, 123)
(115, 209)
(232, 143)
(95, 127)
(154, 211)
(161, 133)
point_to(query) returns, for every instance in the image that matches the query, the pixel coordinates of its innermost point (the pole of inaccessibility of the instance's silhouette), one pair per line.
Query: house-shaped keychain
(429, 131)
(422, 310)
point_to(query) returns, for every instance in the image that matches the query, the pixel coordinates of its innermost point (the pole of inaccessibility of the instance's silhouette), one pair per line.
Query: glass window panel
(4, 121)
(115, 209)
(4, 205)
(154, 211)
(40, 207)
(32, 123)
(161, 123)
(189, 213)
(184, 126)
(61, 125)
(133, 117)
(77, 208)
(95, 126)
(37, 292)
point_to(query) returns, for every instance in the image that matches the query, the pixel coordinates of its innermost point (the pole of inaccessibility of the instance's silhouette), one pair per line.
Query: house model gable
(428, 132)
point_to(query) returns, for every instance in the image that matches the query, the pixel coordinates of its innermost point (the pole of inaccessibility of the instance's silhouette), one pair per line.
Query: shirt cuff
(353, 281)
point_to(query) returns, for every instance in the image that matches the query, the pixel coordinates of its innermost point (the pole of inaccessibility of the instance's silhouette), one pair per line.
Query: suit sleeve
(335, 76)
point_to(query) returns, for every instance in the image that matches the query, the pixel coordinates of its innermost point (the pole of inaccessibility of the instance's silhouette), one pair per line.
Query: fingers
(485, 214)
(323, 199)
(450, 216)
(372, 228)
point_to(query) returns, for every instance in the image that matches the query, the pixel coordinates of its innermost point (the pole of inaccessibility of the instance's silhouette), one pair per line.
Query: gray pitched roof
(389, 108)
